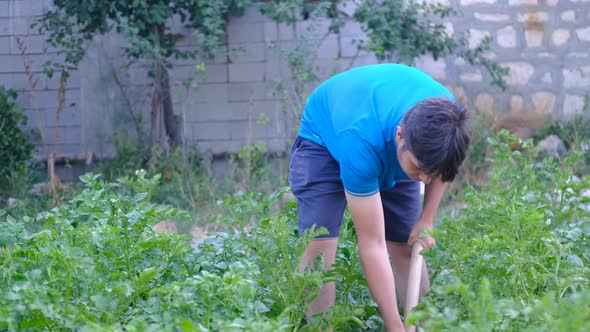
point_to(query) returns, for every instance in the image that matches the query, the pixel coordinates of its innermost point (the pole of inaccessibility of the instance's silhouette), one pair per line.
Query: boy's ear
(399, 134)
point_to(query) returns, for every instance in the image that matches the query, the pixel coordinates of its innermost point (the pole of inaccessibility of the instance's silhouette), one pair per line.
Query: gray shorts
(314, 176)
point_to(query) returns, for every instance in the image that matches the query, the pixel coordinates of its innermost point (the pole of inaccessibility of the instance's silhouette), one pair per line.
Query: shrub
(575, 134)
(97, 265)
(517, 256)
(15, 148)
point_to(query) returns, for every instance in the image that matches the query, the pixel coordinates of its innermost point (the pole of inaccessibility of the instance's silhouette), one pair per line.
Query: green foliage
(290, 291)
(250, 164)
(186, 183)
(243, 209)
(575, 134)
(130, 156)
(284, 11)
(475, 169)
(94, 259)
(520, 246)
(151, 40)
(516, 259)
(70, 24)
(404, 30)
(97, 265)
(301, 57)
(477, 56)
(479, 148)
(15, 149)
(401, 31)
(398, 31)
(291, 11)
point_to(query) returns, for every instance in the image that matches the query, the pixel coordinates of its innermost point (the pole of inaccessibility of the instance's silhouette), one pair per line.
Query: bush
(575, 134)
(97, 265)
(517, 256)
(15, 148)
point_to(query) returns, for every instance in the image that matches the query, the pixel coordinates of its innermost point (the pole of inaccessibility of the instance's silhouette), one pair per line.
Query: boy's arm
(433, 193)
(367, 215)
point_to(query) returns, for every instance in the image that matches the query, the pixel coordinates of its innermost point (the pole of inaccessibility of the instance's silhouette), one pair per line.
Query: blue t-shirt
(355, 115)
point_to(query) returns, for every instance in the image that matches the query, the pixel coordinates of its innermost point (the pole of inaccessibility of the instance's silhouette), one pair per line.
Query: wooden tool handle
(415, 274)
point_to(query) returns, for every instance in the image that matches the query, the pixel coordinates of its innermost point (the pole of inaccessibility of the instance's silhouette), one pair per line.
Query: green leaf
(49, 222)
(10, 219)
(574, 234)
(153, 242)
(140, 197)
(261, 307)
(6, 239)
(102, 302)
(147, 275)
(575, 259)
(187, 326)
(159, 209)
(34, 321)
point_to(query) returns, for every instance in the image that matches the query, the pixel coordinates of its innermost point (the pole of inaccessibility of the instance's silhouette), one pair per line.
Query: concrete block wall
(21, 45)
(222, 114)
(545, 43)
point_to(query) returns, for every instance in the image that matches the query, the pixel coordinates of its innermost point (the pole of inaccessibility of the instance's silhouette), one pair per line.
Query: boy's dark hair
(437, 132)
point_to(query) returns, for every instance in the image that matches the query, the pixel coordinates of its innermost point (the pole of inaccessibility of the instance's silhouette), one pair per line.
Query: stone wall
(545, 43)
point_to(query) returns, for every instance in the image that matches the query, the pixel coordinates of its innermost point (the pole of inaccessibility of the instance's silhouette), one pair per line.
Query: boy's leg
(402, 206)
(314, 177)
(327, 296)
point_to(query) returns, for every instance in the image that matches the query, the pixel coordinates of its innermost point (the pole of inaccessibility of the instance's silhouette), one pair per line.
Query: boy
(367, 137)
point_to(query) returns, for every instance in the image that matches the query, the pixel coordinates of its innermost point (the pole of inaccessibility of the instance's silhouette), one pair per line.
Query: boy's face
(408, 161)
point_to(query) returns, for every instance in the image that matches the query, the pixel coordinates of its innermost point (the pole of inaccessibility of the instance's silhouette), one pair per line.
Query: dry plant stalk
(244, 181)
(55, 184)
(22, 47)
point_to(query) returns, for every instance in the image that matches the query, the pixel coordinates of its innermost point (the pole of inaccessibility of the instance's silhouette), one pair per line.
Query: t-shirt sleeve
(360, 165)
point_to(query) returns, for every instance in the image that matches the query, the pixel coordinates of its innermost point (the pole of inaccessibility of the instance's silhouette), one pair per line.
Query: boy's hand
(433, 193)
(421, 231)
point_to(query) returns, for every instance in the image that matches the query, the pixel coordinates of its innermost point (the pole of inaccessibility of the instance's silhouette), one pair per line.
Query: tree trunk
(172, 122)
(155, 108)
(162, 100)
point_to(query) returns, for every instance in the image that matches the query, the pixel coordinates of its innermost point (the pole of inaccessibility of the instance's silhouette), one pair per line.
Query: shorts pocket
(312, 167)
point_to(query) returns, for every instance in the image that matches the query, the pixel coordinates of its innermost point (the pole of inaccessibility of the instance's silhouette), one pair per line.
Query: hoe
(414, 277)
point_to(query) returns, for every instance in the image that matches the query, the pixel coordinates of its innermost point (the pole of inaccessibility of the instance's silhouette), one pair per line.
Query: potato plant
(516, 258)
(96, 265)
